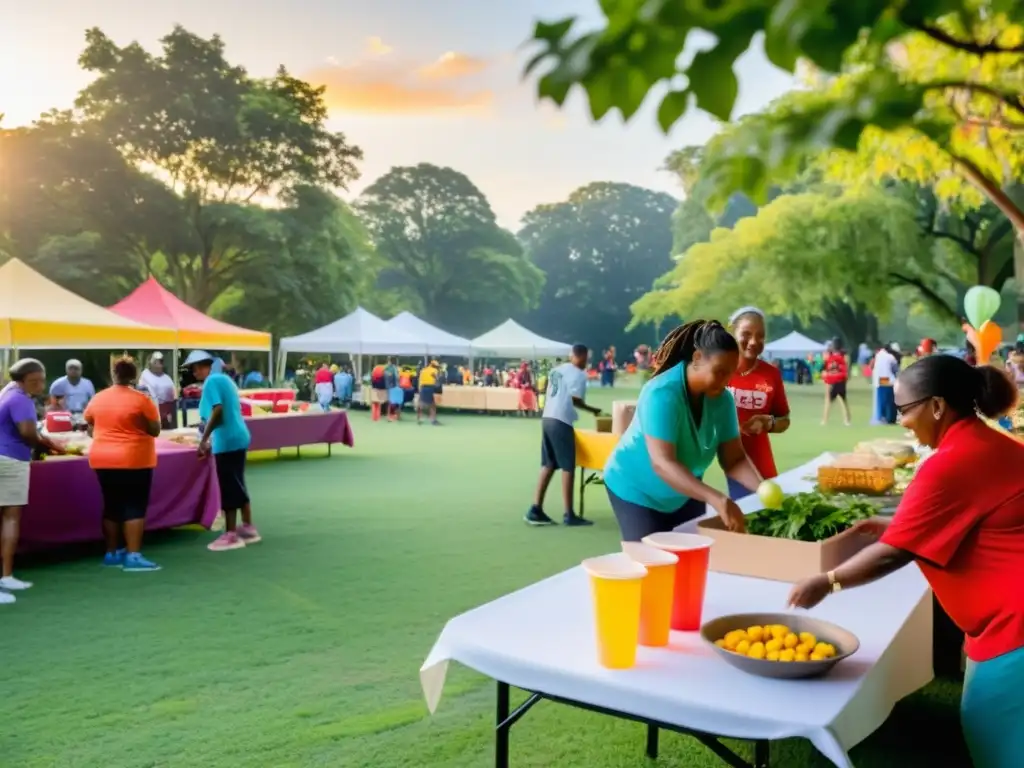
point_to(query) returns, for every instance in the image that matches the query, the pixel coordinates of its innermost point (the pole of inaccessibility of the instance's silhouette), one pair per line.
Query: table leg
(328, 450)
(762, 754)
(501, 727)
(652, 741)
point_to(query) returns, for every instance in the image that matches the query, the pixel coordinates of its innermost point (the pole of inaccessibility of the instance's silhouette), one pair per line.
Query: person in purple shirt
(18, 437)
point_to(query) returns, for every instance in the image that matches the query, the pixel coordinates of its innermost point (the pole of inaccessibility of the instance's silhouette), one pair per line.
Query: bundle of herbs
(810, 517)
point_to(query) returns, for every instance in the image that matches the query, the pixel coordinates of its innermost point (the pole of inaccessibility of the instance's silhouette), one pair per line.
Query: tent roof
(153, 304)
(510, 339)
(358, 333)
(793, 344)
(36, 313)
(438, 342)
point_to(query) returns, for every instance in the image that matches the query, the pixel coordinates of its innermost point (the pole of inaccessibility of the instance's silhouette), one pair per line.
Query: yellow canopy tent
(36, 313)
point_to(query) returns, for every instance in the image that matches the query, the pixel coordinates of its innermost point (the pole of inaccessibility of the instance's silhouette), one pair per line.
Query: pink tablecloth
(65, 505)
(290, 431)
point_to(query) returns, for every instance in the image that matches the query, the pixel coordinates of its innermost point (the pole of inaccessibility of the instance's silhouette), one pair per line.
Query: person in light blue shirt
(685, 419)
(73, 390)
(226, 435)
(343, 385)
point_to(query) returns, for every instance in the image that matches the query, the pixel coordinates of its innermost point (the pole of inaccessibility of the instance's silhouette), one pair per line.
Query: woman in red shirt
(761, 404)
(965, 530)
(835, 375)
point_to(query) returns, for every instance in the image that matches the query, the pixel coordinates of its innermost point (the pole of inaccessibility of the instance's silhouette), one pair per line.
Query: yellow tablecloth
(593, 448)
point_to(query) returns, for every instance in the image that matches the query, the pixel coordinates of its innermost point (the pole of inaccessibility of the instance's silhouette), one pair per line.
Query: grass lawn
(304, 650)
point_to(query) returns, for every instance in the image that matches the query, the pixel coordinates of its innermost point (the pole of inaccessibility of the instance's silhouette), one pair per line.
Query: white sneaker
(6, 598)
(14, 584)
(218, 523)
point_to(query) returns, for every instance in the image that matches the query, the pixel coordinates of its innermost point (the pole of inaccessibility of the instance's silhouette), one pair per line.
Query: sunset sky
(408, 81)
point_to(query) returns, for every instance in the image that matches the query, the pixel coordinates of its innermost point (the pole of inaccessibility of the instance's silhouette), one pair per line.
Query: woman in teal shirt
(685, 418)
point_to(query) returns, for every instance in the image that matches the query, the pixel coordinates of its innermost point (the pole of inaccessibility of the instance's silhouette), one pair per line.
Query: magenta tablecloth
(290, 431)
(65, 505)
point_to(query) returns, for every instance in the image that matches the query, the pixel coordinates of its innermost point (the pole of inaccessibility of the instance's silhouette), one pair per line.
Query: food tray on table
(799, 646)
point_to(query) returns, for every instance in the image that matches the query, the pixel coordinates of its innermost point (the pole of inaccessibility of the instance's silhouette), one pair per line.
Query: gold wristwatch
(836, 586)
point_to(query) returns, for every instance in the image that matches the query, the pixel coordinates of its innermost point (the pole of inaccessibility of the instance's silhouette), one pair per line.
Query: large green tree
(445, 250)
(810, 255)
(601, 250)
(944, 74)
(219, 138)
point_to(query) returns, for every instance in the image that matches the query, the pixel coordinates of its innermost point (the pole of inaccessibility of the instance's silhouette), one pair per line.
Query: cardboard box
(766, 557)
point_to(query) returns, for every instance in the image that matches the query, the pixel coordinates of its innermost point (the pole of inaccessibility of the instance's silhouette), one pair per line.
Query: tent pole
(270, 362)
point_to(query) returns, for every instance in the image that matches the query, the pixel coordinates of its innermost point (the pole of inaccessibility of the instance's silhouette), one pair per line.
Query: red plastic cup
(694, 553)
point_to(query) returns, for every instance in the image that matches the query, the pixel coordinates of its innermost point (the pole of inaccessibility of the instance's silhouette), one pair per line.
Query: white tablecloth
(541, 639)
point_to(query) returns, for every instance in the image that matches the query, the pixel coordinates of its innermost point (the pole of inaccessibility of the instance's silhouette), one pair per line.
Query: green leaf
(553, 87)
(673, 107)
(714, 83)
(553, 32)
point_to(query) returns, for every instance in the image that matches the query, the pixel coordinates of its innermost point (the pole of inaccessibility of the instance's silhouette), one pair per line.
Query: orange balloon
(989, 337)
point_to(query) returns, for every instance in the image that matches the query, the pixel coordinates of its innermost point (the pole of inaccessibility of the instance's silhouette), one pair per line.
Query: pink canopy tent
(153, 304)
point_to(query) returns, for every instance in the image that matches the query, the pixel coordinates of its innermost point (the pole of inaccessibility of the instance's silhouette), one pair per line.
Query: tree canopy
(439, 235)
(601, 250)
(811, 254)
(929, 91)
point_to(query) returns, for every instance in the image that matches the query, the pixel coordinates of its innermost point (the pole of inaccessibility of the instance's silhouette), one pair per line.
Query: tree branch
(1008, 99)
(993, 191)
(968, 46)
(927, 292)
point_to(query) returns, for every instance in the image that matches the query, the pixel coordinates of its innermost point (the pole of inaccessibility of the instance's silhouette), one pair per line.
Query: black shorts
(636, 521)
(125, 493)
(837, 390)
(427, 394)
(231, 477)
(558, 445)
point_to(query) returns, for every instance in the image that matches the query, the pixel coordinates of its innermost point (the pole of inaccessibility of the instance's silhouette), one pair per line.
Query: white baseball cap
(72, 364)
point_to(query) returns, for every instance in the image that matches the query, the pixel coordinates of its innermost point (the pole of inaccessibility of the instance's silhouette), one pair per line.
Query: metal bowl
(845, 642)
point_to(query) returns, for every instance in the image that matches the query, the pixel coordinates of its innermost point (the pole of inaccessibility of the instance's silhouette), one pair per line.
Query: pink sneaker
(226, 541)
(249, 534)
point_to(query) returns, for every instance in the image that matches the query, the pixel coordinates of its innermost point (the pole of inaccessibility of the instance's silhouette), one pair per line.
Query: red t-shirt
(323, 376)
(759, 392)
(836, 370)
(963, 520)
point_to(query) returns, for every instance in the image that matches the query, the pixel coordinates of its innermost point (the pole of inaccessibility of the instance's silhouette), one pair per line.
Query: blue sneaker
(114, 559)
(136, 563)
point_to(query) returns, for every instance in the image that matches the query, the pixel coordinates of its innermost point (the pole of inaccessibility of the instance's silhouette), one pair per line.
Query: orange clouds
(379, 85)
(452, 65)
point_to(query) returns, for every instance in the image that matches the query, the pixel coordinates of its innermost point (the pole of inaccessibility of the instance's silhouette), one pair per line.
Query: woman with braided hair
(685, 418)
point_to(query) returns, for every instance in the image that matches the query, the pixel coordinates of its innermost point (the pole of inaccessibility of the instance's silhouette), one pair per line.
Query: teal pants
(992, 711)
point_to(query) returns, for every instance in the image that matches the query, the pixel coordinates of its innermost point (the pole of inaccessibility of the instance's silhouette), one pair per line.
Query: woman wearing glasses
(965, 530)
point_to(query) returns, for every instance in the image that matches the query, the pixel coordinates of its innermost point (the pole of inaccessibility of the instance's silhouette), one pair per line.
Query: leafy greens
(810, 517)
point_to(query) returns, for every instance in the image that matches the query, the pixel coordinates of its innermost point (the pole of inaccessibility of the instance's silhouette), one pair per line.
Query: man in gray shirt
(567, 386)
(75, 390)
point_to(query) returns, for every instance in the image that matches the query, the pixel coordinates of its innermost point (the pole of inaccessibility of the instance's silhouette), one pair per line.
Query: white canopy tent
(438, 342)
(510, 339)
(792, 345)
(359, 333)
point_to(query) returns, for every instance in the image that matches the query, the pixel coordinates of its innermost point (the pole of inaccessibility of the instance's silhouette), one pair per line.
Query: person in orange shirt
(124, 424)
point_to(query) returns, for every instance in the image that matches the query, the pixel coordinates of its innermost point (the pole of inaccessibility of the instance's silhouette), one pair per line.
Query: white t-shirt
(885, 367)
(564, 383)
(160, 387)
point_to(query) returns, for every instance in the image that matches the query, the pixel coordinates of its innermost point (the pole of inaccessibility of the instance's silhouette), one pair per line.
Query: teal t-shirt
(232, 434)
(663, 412)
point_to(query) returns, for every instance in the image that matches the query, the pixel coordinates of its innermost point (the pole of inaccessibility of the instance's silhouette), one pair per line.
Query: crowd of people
(124, 421)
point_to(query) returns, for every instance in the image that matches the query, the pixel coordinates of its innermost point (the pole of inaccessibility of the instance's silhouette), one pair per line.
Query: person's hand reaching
(731, 514)
(809, 592)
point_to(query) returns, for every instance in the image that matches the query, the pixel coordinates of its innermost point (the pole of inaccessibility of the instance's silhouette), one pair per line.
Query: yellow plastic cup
(656, 592)
(616, 582)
